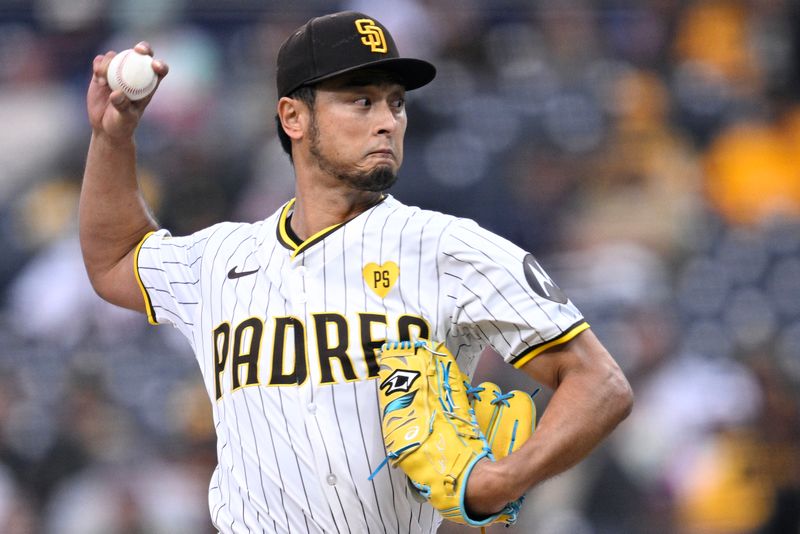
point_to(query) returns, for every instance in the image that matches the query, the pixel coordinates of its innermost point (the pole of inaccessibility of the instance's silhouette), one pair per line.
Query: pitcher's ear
(291, 115)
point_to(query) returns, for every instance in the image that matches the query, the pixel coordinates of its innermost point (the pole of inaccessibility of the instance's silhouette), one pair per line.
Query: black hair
(306, 94)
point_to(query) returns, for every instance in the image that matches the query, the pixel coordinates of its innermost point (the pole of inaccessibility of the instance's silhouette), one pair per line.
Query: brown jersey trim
(150, 310)
(562, 338)
(289, 239)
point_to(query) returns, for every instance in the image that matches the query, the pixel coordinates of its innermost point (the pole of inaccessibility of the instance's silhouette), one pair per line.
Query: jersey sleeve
(168, 271)
(498, 294)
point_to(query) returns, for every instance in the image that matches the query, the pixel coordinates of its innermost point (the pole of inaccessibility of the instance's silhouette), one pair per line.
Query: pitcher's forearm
(113, 214)
(584, 409)
(591, 396)
(581, 413)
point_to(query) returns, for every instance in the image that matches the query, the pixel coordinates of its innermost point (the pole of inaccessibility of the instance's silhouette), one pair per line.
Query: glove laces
(389, 456)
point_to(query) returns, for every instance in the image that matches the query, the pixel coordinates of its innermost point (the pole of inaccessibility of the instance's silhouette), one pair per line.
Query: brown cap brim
(412, 73)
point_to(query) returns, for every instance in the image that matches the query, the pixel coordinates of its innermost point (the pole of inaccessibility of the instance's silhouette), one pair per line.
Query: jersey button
(331, 479)
(312, 408)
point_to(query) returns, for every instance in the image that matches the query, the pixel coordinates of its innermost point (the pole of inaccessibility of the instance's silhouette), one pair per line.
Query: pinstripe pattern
(294, 452)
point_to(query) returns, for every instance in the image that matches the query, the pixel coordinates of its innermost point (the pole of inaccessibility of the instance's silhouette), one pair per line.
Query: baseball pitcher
(337, 336)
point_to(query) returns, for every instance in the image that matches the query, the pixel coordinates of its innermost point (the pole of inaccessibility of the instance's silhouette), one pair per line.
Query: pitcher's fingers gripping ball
(133, 73)
(507, 420)
(429, 427)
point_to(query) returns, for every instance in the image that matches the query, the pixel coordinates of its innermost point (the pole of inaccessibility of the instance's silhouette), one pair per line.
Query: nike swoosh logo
(234, 274)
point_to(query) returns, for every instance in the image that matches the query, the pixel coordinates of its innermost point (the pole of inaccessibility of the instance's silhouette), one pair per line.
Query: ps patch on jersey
(540, 282)
(381, 278)
(400, 380)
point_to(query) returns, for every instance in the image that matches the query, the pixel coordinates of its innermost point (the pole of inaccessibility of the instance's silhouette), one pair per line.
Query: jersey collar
(289, 239)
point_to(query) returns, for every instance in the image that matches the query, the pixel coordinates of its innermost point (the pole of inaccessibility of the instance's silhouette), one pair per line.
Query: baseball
(133, 73)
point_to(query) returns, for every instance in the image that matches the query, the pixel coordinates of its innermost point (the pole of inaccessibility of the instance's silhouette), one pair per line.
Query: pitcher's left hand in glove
(430, 428)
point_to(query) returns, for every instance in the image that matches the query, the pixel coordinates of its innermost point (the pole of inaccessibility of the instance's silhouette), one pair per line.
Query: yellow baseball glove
(430, 428)
(506, 419)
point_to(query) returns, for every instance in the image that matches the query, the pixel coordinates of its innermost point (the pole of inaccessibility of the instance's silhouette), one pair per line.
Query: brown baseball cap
(342, 42)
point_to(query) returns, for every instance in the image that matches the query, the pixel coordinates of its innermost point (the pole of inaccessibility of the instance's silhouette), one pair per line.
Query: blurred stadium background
(648, 152)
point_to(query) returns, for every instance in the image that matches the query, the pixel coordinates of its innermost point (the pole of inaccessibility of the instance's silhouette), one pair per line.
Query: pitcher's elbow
(622, 394)
(96, 280)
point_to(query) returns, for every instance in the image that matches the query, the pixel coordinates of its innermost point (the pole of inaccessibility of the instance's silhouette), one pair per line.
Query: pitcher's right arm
(113, 216)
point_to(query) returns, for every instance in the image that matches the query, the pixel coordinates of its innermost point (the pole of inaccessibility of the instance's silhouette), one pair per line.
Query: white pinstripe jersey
(285, 333)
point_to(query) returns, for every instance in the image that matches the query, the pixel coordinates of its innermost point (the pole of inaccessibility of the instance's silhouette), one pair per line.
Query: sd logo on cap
(373, 35)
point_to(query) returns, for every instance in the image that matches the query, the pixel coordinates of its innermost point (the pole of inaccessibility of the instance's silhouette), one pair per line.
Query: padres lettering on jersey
(289, 367)
(285, 334)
